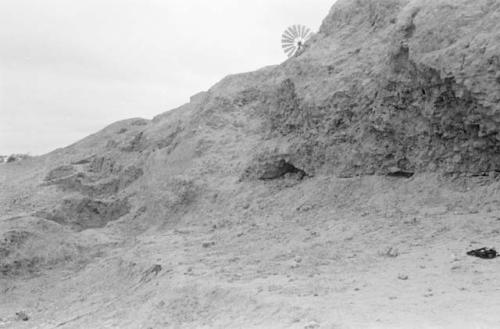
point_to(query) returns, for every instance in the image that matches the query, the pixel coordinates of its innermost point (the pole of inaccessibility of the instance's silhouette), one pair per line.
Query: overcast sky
(70, 67)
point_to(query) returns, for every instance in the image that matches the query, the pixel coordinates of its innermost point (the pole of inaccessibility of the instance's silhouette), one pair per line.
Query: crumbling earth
(340, 189)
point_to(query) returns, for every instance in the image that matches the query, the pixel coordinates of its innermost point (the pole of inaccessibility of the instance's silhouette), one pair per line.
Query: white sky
(70, 67)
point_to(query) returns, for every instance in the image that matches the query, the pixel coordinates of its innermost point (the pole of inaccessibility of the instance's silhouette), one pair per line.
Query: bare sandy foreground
(329, 253)
(342, 188)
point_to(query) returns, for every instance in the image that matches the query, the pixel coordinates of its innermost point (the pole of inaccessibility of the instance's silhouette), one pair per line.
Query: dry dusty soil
(339, 189)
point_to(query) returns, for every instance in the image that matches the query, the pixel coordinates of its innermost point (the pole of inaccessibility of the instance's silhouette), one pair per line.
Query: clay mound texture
(395, 85)
(352, 177)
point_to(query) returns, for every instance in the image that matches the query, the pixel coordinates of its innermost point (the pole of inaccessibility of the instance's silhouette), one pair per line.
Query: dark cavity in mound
(82, 214)
(401, 174)
(280, 169)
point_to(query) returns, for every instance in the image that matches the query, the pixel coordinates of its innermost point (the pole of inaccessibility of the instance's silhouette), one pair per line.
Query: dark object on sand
(483, 253)
(22, 316)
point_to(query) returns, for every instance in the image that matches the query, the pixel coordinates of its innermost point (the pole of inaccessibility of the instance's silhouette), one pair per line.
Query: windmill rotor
(294, 39)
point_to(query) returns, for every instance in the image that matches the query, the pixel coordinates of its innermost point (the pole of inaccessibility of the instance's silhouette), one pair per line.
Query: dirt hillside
(339, 189)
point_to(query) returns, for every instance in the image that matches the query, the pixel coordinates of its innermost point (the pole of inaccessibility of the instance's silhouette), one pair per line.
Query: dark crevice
(493, 173)
(86, 213)
(401, 174)
(281, 169)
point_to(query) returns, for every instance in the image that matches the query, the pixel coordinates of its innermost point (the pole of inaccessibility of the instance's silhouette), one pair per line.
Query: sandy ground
(191, 222)
(296, 260)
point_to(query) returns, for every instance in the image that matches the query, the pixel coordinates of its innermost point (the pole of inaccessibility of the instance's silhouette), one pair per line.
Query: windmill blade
(291, 52)
(305, 30)
(290, 42)
(308, 34)
(288, 47)
(287, 39)
(299, 30)
(294, 38)
(302, 31)
(289, 33)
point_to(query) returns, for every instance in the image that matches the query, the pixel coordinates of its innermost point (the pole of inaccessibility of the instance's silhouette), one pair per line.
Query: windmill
(294, 39)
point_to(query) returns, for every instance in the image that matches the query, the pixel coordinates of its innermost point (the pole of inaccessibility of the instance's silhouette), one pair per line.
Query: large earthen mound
(339, 189)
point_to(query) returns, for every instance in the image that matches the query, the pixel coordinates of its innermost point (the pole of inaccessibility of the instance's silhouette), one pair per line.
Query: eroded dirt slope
(340, 189)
